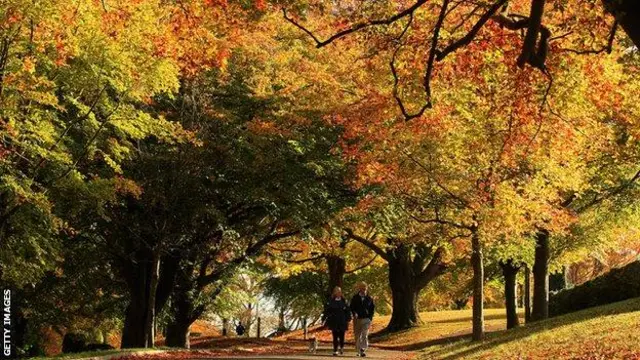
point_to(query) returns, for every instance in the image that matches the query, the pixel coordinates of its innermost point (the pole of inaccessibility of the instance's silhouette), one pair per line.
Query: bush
(617, 285)
(94, 347)
(74, 343)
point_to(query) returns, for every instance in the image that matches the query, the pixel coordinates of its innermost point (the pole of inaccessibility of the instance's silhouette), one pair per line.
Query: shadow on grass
(466, 318)
(425, 344)
(381, 335)
(465, 347)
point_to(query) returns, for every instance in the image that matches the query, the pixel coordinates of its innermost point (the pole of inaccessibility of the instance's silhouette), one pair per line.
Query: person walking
(240, 329)
(336, 316)
(362, 307)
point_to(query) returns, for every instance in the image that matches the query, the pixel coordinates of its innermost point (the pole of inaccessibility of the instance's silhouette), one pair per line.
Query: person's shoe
(335, 353)
(341, 351)
(362, 353)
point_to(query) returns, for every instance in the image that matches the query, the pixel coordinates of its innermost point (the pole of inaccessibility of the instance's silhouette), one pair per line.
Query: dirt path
(326, 354)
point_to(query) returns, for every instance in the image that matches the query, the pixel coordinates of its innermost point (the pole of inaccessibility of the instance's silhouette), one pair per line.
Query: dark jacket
(362, 307)
(337, 314)
(240, 330)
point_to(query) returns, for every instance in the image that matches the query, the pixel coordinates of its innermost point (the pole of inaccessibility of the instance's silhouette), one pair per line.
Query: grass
(437, 327)
(606, 332)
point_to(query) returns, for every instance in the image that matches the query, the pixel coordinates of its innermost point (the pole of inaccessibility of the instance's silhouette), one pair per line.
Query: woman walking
(336, 316)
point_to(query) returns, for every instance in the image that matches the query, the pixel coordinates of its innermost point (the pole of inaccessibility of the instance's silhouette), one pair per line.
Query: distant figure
(313, 345)
(362, 307)
(336, 316)
(240, 329)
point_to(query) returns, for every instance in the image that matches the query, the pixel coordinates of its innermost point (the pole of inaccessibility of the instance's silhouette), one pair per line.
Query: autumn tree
(415, 255)
(452, 26)
(327, 252)
(460, 30)
(258, 196)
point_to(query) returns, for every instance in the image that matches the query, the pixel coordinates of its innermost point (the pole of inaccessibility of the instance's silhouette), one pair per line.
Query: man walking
(362, 308)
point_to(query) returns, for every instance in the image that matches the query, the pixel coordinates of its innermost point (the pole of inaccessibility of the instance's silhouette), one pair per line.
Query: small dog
(313, 345)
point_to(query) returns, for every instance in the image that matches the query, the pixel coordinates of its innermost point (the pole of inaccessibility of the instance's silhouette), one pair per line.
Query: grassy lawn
(438, 327)
(607, 332)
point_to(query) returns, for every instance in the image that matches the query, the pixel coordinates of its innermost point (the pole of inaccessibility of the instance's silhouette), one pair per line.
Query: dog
(313, 345)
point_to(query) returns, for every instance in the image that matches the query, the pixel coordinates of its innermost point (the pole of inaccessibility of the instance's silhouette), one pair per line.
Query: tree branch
(357, 27)
(434, 50)
(438, 220)
(473, 32)
(533, 29)
(396, 80)
(435, 268)
(302, 261)
(378, 250)
(613, 192)
(608, 48)
(363, 266)
(457, 198)
(250, 251)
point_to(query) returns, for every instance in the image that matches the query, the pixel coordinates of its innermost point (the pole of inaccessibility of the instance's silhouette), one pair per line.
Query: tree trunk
(282, 326)
(305, 327)
(627, 12)
(337, 267)
(404, 293)
(477, 260)
(527, 294)
(178, 332)
(183, 316)
(407, 276)
(133, 331)
(150, 317)
(541, 277)
(136, 273)
(510, 273)
(183, 299)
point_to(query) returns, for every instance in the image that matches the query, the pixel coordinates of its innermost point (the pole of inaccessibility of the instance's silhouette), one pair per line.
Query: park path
(326, 354)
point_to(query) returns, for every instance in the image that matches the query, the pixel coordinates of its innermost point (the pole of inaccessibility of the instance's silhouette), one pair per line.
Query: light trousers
(361, 332)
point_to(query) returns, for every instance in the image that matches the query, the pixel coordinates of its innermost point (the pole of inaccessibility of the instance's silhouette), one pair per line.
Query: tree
(327, 252)
(510, 273)
(59, 115)
(70, 90)
(259, 197)
(513, 161)
(415, 256)
(298, 296)
(467, 22)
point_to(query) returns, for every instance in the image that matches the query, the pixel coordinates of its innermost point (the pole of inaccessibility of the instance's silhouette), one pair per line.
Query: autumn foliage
(151, 150)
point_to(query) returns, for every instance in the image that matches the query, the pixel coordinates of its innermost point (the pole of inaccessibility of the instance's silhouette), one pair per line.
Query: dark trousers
(338, 339)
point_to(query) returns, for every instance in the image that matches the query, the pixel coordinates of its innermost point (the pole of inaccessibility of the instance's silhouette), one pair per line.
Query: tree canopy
(155, 154)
